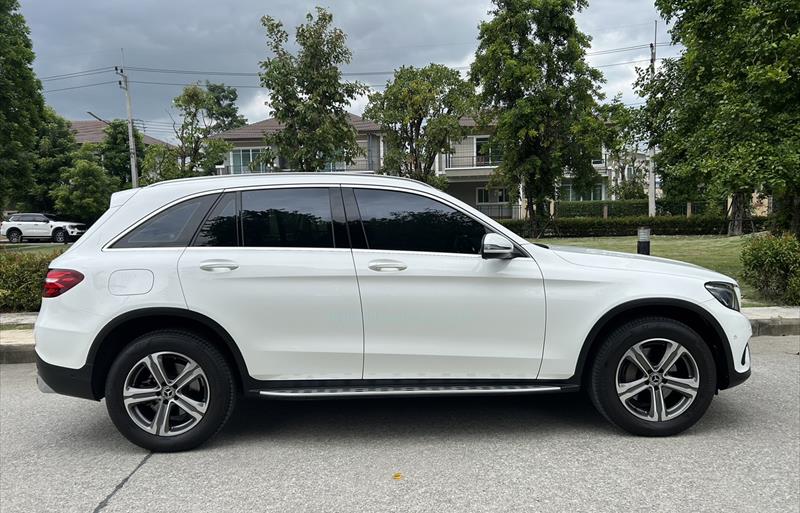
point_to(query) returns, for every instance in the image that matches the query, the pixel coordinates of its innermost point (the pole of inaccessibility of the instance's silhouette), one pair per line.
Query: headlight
(725, 294)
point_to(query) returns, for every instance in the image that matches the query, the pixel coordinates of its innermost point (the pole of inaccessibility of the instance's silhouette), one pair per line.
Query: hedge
(626, 208)
(772, 265)
(21, 279)
(618, 226)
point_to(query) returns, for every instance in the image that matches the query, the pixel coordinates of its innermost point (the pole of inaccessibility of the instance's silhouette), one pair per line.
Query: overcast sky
(227, 37)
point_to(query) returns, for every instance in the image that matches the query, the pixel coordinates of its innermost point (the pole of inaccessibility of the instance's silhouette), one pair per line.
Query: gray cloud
(205, 35)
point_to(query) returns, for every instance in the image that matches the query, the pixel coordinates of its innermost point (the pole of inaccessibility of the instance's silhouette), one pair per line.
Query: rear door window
(220, 227)
(287, 218)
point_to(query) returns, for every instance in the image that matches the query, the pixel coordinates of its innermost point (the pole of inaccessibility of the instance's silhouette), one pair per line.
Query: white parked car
(40, 226)
(188, 294)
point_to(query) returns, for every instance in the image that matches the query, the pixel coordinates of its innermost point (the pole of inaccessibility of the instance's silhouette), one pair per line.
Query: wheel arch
(125, 328)
(691, 314)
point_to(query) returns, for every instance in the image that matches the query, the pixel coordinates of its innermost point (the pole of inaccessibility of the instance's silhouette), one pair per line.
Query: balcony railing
(465, 161)
(504, 211)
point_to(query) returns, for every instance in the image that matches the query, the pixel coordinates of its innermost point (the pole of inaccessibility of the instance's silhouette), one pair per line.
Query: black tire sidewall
(59, 233)
(10, 236)
(603, 384)
(220, 382)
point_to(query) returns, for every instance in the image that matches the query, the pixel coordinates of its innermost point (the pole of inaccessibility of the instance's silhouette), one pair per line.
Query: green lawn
(43, 248)
(719, 253)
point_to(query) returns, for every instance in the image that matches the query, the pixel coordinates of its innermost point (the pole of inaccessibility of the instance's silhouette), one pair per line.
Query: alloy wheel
(657, 379)
(166, 393)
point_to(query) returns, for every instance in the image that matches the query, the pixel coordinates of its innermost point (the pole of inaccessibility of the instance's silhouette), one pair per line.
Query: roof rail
(289, 173)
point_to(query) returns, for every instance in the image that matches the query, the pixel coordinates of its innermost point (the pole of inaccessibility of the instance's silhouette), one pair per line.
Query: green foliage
(726, 114)
(308, 96)
(21, 280)
(160, 163)
(541, 95)
(54, 153)
(85, 190)
(772, 265)
(203, 112)
(622, 140)
(222, 109)
(116, 151)
(21, 105)
(419, 114)
(617, 226)
(627, 208)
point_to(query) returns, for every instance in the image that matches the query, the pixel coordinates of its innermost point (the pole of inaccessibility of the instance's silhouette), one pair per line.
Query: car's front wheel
(169, 391)
(60, 236)
(653, 377)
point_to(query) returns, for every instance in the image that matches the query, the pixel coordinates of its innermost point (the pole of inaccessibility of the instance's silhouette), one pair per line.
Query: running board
(370, 391)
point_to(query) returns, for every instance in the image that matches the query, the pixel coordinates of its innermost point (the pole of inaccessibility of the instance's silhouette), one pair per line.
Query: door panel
(294, 313)
(450, 316)
(433, 307)
(288, 295)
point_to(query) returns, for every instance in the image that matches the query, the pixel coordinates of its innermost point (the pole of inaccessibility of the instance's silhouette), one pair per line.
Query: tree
(160, 163)
(115, 150)
(307, 95)
(541, 95)
(54, 153)
(201, 115)
(419, 114)
(21, 105)
(622, 141)
(86, 187)
(222, 109)
(725, 113)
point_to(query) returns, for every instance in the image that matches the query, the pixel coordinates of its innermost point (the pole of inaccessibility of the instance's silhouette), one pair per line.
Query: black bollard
(643, 244)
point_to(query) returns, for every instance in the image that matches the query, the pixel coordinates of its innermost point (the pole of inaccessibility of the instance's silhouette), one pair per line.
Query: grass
(43, 248)
(718, 253)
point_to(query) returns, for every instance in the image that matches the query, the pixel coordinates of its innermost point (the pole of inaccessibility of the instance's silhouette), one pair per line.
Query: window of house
(291, 218)
(219, 228)
(173, 227)
(402, 221)
(483, 152)
(246, 160)
(493, 195)
(567, 193)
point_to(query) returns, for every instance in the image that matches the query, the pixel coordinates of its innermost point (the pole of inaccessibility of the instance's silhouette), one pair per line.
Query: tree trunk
(736, 222)
(794, 224)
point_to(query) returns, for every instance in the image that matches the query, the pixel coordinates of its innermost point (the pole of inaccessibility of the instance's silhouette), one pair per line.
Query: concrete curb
(25, 353)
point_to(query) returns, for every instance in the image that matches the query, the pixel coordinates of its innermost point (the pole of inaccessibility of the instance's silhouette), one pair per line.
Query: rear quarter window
(171, 228)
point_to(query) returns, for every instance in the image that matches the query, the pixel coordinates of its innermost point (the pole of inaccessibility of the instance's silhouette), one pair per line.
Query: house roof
(93, 131)
(272, 125)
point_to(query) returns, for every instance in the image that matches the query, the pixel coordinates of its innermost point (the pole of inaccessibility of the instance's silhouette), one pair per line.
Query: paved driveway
(544, 453)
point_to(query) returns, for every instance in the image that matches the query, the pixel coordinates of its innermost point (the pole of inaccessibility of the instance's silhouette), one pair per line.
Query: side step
(370, 391)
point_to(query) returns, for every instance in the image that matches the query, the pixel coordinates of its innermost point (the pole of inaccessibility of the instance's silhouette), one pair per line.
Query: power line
(80, 86)
(74, 73)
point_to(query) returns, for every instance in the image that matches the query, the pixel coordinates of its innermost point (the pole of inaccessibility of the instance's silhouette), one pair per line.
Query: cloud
(205, 35)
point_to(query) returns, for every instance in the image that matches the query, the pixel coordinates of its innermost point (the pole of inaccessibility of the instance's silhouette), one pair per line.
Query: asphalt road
(538, 453)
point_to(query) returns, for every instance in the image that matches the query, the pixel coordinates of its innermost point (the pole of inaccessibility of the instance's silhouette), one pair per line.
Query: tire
(60, 236)
(663, 406)
(212, 390)
(14, 236)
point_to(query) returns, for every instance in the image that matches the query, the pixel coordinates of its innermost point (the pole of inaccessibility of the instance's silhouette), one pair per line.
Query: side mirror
(496, 246)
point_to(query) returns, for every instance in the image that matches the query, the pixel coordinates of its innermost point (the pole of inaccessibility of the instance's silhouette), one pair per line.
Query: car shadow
(376, 419)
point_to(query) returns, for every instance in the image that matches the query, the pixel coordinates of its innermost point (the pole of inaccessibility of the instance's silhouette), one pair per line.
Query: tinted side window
(290, 218)
(40, 219)
(409, 222)
(219, 228)
(174, 227)
(25, 219)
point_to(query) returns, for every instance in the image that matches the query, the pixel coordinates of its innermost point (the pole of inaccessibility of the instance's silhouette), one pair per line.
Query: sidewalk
(16, 329)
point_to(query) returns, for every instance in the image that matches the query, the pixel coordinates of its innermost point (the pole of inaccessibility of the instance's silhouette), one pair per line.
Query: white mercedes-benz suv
(188, 294)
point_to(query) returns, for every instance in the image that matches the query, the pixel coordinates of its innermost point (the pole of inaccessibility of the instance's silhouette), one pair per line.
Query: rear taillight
(59, 281)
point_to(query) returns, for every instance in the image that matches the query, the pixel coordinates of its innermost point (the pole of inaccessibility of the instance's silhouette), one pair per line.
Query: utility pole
(651, 174)
(131, 140)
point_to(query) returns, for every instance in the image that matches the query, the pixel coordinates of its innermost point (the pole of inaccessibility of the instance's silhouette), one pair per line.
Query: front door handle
(387, 265)
(218, 266)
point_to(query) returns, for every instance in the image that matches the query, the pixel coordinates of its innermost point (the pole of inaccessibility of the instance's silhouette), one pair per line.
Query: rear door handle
(387, 265)
(218, 266)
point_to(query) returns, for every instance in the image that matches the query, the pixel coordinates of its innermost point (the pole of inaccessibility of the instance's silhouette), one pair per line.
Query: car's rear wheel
(170, 391)
(60, 236)
(653, 377)
(14, 236)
